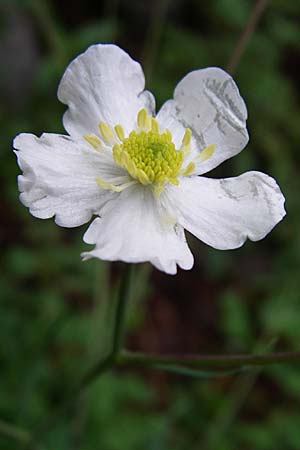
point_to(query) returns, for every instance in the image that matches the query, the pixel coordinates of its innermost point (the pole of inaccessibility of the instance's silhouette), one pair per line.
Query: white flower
(143, 176)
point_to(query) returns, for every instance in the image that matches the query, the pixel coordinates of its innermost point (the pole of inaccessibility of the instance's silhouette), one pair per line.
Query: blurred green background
(54, 307)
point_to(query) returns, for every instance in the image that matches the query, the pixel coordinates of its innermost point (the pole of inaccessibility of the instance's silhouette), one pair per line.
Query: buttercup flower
(141, 175)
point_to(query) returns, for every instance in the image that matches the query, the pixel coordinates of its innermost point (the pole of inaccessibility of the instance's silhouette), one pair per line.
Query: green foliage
(56, 312)
(235, 321)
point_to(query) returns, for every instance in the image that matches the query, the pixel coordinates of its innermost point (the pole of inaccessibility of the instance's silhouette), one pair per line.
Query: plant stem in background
(120, 316)
(124, 295)
(16, 433)
(233, 402)
(106, 362)
(99, 335)
(208, 362)
(153, 37)
(49, 28)
(246, 34)
(229, 410)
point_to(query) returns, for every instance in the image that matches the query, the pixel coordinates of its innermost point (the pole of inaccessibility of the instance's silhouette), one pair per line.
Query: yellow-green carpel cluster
(150, 157)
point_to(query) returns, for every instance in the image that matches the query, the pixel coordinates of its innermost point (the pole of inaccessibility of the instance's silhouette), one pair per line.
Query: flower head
(141, 174)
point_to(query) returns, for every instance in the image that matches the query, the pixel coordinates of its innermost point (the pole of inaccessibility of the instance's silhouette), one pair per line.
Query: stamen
(154, 125)
(189, 169)
(142, 177)
(142, 118)
(148, 123)
(120, 132)
(148, 156)
(93, 140)
(105, 184)
(207, 152)
(117, 154)
(167, 132)
(174, 181)
(186, 138)
(131, 168)
(107, 132)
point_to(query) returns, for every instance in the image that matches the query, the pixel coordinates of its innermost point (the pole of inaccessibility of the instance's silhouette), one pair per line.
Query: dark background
(54, 308)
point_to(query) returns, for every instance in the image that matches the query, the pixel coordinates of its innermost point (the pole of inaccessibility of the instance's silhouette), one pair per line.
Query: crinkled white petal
(224, 213)
(103, 84)
(132, 229)
(59, 177)
(208, 102)
(167, 119)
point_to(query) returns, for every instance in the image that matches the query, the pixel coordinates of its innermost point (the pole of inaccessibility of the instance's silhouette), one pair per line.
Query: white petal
(148, 100)
(208, 102)
(224, 213)
(167, 119)
(130, 229)
(60, 177)
(103, 84)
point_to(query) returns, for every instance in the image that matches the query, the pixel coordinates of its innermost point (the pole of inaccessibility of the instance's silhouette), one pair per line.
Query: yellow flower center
(147, 154)
(149, 157)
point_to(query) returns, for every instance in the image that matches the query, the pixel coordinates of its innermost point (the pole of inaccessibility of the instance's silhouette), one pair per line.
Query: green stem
(109, 360)
(232, 403)
(42, 11)
(19, 434)
(105, 363)
(212, 362)
(124, 294)
(16, 433)
(246, 34)
(153, 37)
(230, 409)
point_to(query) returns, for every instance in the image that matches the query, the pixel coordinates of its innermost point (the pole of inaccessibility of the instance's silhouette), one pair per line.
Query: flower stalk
(124, 295)
(104, 364)
(120, 317)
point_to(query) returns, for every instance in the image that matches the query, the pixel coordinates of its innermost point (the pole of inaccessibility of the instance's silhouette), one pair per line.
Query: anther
(187, 137)
(107, 132)
(109, 186)
(189, 169)
(143, 178)
(93, 140)
(120, 132)
(207, 152)
(142, 118)
(154, 125)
